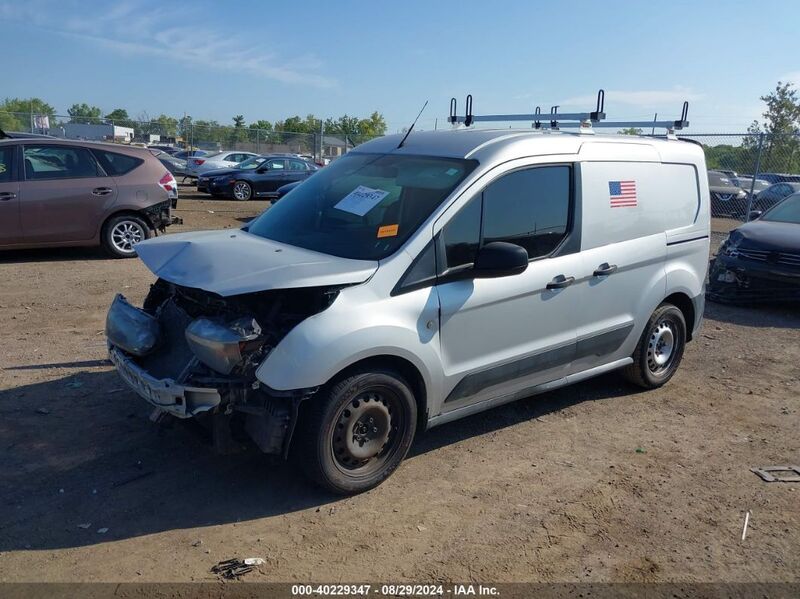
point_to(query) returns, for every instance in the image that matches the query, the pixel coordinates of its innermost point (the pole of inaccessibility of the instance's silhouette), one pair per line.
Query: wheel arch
(684, 303)
(404, 367)
(123, 212)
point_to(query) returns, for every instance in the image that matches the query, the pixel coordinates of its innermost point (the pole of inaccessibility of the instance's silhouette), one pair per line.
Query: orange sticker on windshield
(388, 231)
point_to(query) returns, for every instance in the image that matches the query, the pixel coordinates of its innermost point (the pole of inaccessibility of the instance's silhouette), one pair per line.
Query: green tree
(119, 116)
(15, 113)
(261, 125)
(781, 126)
(372, 126)
(165, 125)
(239, 132)
(630, 131)
(83, 113)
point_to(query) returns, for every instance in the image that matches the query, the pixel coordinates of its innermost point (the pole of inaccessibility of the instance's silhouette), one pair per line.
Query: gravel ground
(596, 482)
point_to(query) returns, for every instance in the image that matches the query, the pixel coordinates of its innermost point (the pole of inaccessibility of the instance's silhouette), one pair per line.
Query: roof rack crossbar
(595, 118)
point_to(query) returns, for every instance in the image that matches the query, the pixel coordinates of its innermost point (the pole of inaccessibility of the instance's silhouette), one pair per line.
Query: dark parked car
(746, 183)
(69, 193)
(284, 189)
(779, 177)
(176, 166)
(185, 154)
(726, 198)
(773, 194)
(164, 148)
(204, 181)
(262, 181)
(760, 261)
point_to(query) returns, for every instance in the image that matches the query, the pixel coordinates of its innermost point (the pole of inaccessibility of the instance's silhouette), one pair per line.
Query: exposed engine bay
(192, 353)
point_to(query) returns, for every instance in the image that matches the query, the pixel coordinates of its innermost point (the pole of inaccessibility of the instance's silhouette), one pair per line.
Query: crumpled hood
(233, 261)
(770, 235)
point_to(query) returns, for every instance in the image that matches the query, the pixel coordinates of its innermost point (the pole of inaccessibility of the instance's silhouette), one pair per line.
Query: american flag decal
(623, 194)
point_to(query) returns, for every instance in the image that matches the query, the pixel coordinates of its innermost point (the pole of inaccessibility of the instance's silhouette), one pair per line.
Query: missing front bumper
(179, 400)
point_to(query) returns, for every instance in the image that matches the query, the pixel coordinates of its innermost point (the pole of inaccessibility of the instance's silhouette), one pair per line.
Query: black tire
(242, 191)
(664, 338)
(378, 414)
(121, 232)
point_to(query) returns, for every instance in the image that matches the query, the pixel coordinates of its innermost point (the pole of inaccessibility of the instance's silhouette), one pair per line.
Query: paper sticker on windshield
(361, 200)
(451, 171)
(388, 231)
(2, 167)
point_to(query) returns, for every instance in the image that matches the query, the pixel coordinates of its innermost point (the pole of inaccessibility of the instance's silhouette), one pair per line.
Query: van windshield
(362, 206)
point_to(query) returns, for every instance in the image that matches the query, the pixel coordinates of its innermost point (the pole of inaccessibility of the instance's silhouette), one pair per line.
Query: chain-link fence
(748, 173)
(187, 134)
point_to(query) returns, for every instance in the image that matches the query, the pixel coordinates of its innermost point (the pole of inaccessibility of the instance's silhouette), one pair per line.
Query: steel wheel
(242, 190)
(125, 234)
(355, 435)
(365, 434)
(661, 348)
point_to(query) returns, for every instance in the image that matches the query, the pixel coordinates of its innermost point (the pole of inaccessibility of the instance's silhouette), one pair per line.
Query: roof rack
(584, 120)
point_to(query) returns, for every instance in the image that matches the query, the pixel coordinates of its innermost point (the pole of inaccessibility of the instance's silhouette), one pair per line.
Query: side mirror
(500, 259)
(754, 214)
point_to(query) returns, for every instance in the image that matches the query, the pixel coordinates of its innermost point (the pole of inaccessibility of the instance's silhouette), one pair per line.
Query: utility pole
(755, 175)
(321, 138)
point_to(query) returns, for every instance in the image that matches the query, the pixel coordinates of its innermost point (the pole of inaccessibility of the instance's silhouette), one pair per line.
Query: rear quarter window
(116, 164)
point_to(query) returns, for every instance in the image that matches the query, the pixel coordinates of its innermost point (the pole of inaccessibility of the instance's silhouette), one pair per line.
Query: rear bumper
(733, 280)
(179, 400)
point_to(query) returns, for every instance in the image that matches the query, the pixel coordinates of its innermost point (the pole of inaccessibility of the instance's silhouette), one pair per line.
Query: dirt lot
(598, 482)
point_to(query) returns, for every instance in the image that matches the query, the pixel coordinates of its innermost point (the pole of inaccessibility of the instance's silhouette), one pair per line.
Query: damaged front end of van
(221, 303)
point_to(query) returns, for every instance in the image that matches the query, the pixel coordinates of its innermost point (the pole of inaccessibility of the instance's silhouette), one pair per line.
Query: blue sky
(271, 60)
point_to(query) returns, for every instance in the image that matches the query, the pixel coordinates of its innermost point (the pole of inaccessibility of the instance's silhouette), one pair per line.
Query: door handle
(605, 269)
(7, 195)
(102, 191)
(560, 282)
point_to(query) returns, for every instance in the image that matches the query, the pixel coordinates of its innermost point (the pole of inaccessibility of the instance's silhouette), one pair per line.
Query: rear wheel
(242, 191)
(660, 349)
(354, 437)
(121, 233)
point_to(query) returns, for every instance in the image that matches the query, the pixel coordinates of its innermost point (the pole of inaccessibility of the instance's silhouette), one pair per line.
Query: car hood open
(232, 262)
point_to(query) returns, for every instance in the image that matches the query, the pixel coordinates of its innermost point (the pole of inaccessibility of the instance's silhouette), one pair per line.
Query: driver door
(270, 176)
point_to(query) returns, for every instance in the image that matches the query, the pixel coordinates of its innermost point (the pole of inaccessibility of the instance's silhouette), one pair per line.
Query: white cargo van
(420, 279)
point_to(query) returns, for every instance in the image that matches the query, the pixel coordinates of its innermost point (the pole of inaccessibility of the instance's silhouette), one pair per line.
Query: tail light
(167, 182)
(198, 161)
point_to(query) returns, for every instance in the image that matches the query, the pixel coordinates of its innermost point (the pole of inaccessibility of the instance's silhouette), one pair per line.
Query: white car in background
(196, 165)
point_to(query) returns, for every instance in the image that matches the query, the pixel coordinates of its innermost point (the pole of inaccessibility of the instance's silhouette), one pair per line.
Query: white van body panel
(463, 328)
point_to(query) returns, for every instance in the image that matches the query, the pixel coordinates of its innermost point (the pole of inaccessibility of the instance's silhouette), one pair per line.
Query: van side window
(462, 235)
(529, 208)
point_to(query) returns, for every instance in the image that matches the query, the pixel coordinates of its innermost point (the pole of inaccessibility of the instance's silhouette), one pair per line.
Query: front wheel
(354, 436)
(242, 191)
(660, 349)
(121, 233)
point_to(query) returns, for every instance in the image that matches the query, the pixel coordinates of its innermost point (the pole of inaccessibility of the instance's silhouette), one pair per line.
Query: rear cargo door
(64, 194)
